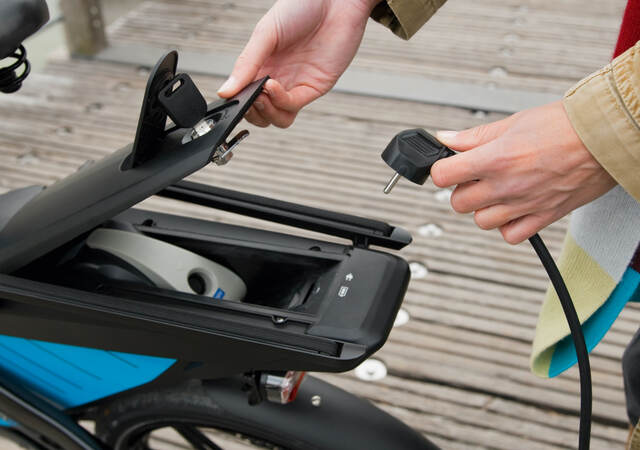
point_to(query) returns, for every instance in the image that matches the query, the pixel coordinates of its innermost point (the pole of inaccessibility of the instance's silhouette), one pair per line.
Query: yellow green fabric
(596, 326)
(587, 282)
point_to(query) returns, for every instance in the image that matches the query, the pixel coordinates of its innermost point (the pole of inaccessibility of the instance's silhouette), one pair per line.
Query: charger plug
(411, 153)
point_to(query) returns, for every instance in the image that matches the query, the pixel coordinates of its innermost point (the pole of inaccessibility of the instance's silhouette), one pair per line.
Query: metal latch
(224, 152)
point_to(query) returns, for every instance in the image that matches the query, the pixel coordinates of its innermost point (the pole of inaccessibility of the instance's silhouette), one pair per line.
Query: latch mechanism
(224, 152)
(167, 94)
(177, 97)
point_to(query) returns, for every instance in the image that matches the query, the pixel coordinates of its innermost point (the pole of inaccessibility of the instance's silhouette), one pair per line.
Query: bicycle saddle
(19, 19)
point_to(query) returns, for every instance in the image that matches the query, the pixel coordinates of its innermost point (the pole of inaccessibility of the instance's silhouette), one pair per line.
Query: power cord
(576, 334)
(411, 153)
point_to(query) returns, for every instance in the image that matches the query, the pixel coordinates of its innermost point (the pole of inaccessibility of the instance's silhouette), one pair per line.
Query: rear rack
(362, 232)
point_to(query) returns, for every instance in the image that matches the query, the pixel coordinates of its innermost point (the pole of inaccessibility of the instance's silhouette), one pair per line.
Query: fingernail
(446, 135)
(259, 105)
(227, 84)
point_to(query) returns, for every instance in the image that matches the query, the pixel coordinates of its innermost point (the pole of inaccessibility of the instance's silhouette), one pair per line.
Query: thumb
(473, 137)
(260, 46)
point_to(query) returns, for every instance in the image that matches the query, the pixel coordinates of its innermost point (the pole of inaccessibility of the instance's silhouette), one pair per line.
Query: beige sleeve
(405, 17)
(604, 109)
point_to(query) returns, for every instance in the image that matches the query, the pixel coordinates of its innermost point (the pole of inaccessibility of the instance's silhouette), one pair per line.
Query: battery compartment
(283, 278)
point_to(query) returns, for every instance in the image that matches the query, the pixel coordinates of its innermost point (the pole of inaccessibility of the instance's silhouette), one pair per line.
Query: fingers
(473, 196)
(278, 106)
(303, 95)
(280, 98)
(292, 100)
(514, 225)
(254, 117)
(474, 137)
(262, 43)
(524, 227)
(262, 114)
(273, 115)
(496, 216)
(456, 169)
(477, 162)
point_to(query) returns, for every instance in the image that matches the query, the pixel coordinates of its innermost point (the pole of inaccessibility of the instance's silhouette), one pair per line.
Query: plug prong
(392, 182)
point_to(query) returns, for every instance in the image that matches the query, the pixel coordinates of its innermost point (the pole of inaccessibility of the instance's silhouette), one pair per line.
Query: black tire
(126, 423)
(323, 417)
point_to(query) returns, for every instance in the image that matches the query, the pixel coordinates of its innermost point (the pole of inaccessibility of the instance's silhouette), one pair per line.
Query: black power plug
(411, 153)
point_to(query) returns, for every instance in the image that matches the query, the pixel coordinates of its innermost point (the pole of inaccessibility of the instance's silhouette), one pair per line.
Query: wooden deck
(458, 370)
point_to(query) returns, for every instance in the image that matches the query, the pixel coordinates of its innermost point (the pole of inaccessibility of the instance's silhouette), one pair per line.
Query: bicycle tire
(126, 422)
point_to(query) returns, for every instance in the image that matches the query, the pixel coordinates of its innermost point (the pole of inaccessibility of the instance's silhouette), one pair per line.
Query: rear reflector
(281, 387)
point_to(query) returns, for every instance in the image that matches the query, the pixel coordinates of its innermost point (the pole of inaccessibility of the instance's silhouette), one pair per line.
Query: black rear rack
(362, 232)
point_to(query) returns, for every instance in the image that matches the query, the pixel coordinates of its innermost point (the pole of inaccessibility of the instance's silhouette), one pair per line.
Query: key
(182, 101)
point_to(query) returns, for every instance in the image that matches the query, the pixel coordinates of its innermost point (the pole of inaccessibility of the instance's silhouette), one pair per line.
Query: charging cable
(411, 153)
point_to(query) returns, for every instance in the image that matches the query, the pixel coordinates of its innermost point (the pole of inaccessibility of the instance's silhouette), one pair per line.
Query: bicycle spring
(9, 80)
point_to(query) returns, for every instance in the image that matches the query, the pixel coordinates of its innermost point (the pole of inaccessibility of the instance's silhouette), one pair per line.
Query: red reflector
(282, 388)
(294, 392)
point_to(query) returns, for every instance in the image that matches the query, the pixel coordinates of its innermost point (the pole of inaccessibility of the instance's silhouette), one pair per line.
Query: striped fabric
(596, 265)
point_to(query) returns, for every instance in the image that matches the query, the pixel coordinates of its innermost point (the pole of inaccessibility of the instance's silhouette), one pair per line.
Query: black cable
(576, 335)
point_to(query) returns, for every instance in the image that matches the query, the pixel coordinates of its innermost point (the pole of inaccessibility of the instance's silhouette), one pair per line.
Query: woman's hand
(521, 173)
(304, 45)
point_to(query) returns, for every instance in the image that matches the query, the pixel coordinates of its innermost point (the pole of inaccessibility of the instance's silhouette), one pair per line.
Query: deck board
(538, 45)
(458, 370)
(481, 325)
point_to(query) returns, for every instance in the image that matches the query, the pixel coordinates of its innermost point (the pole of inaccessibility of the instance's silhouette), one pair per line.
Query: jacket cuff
(604, 109)
(405, 17)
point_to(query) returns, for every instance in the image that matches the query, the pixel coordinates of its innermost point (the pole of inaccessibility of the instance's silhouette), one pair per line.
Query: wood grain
(458, 370)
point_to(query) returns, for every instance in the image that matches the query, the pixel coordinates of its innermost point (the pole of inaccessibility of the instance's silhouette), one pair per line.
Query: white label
(348, 277)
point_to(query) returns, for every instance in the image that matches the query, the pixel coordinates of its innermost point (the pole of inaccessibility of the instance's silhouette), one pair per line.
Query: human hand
(304, 46)
(521, 173)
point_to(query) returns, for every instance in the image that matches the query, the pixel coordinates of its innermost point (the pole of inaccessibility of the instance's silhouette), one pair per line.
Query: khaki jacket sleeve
(604, 109)
(405, 17)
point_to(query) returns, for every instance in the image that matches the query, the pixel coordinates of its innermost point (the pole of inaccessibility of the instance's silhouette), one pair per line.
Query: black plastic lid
(107, 187)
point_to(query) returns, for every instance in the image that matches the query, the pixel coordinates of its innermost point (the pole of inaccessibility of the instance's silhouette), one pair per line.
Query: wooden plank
(513, 432)
(538, 45)
(490, 327)
(492, 356)
(355, 81)
(455, 375)
(518, 374)
(497, 343)
(416, 406)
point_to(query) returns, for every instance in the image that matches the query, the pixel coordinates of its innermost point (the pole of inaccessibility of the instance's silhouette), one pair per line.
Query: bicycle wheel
(216, 414)
(185, 417)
